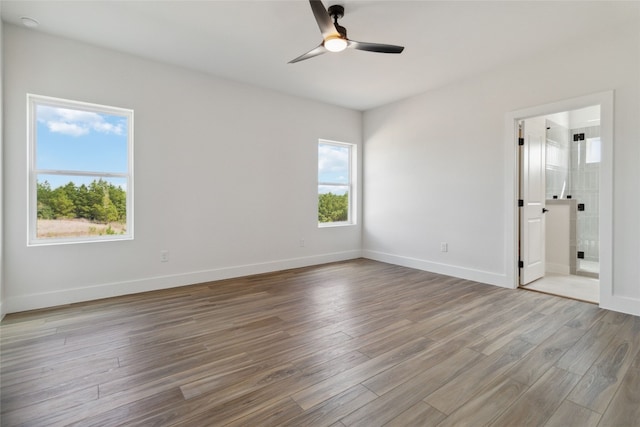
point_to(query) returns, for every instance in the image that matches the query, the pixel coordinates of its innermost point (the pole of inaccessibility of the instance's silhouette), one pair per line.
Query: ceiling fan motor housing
(336, 11)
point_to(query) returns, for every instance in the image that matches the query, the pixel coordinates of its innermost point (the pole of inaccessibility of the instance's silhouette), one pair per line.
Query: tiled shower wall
(570, 173)
(585, 178)
(557, 161)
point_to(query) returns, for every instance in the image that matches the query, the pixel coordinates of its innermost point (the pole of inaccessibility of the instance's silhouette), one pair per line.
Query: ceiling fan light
(335, 44)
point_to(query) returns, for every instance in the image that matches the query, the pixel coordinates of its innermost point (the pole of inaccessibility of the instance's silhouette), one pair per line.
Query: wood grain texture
(600, 382)
(539, 360)
(459, 390)
(624, 409)
(409, 393)
(419, 414)
(581, 356)
(356, 343)
(536, 405)
(488, 404)
(570, 413)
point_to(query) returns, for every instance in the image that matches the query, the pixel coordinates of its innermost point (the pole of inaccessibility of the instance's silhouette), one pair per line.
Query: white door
(532, 194)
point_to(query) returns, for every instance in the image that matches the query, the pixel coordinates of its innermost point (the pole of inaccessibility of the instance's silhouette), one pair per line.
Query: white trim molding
(480, 276)
(108, 290)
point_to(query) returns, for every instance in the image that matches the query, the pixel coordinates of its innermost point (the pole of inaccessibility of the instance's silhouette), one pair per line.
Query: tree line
(103, 202)
(333, 207)
(100, 202)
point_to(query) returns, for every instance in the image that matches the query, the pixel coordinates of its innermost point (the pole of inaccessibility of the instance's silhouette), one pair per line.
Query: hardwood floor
(356, 343)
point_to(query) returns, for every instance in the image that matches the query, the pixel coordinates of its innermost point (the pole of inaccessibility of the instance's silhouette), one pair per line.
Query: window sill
(335, 224)
(88, 239)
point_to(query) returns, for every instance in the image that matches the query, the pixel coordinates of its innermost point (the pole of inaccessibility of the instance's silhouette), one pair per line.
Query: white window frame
(32, 102)
(351, 186)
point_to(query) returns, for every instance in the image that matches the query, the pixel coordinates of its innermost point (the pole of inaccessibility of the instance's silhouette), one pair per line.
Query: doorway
(560, 158)
(592, 256)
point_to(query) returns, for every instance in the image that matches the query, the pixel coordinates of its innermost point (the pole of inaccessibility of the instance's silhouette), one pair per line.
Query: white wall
(225, 176)
(435, 168)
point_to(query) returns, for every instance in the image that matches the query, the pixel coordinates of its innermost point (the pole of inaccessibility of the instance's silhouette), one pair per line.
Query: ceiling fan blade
(376, 47)
(313, 52)
(323, 19)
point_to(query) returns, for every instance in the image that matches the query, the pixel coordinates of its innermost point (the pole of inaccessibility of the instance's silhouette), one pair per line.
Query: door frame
(605, 100)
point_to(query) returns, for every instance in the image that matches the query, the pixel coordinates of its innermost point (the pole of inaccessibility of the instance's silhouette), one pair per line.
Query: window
(335, 183)
(80, 171)
(594, 147)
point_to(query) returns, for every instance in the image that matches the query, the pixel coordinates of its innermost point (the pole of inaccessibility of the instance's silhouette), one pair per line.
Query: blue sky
(333, 167)
(76, 140)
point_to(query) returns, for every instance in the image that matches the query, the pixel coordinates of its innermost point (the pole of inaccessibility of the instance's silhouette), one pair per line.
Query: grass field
(52, 228)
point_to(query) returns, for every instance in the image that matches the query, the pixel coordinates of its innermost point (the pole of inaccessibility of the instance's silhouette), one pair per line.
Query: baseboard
(107, 290)
(621, 304)
(446, 269)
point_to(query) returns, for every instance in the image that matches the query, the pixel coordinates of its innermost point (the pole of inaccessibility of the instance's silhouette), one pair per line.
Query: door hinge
(520, 264)
(580, 254)
(520, 141)
(578, 137)
(520, 203)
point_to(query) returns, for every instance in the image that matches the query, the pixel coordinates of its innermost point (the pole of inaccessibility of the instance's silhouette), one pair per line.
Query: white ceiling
(252, 41)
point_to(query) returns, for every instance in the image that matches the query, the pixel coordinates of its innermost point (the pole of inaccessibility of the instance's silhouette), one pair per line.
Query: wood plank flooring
(356, 343)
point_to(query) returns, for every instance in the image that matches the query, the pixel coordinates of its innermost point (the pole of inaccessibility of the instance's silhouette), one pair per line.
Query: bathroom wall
(557, 158)
(560, 241)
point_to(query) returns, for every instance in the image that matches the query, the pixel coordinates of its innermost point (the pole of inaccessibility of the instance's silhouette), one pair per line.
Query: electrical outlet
(164, 256)
(444, 247)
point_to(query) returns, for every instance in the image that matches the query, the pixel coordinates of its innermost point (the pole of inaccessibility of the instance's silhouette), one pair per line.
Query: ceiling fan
(334, 36)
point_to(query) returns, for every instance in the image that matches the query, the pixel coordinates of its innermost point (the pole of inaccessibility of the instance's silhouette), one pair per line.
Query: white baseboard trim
(107, 290)
(446, 269)
(621, 304)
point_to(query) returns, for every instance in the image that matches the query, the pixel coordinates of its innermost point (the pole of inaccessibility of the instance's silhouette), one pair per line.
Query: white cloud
(332, 158)
(76, 122)
(106, 127)
(67, 128)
